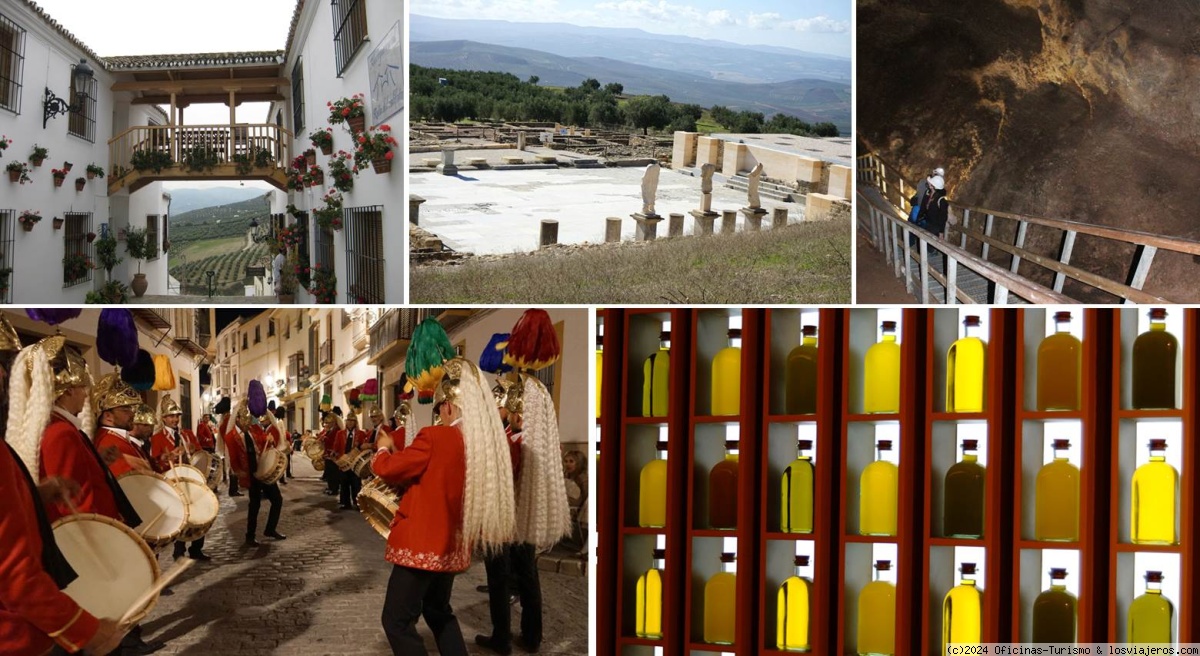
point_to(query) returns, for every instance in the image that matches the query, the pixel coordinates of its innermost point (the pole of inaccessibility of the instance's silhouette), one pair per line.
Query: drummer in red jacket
(245, 442)
(346, 440)
(33, 571)
(114, 401)
(440, 521)
(204, 434)
(172, 444)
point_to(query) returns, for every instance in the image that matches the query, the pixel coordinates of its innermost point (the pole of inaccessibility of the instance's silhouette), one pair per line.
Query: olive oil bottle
(723, 489)
(962, 507)
(965, 364)
(1059, 367)
(650, 599)
(1056, 502)
(656, 376)
(877, 613)
(792, 610)
(879, 487)
(727, 377)
(1150, 614)
(881, 388)
(962, 611)
(1154, 356)
(796, 514)
(1154, 486)
(800, 386)
(652, 490)
(1054, 611)
(720, 603)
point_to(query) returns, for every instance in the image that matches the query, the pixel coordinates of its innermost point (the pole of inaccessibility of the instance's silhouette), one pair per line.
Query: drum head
(267, 462)
(184, 472)
(115, 566)
(202, 503)
(158, 503)
(203, 461)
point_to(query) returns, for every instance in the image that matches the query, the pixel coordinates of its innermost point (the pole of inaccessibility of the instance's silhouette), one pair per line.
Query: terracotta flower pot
(58, 181)
(382, 165)
(139, 284)
(91, 175)
(327, 149)
(357, 124)
(79, 184)
(58, 223)
(14, 176)
(287, 299)
(318, 180)
(28, 226)
(311, 157)
(37, 162)
(67, 166)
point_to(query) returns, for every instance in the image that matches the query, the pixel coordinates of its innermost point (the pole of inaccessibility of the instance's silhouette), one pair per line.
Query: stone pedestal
(728, 222)
(779, 217)
(447, 166)
(414, 209)
(675, 225)
(612, 229)
(520, 141)
(549, 234)
(704, 221)
(754, 217)
(647, 226)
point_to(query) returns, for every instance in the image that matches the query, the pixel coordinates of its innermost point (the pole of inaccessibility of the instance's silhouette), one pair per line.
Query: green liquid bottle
(1154, 355)
(792, 610)
(1150, 614)
(962, 508)
(797, 492)
(881, 388)
(801, 380)
(656, 376)
(1054, 611)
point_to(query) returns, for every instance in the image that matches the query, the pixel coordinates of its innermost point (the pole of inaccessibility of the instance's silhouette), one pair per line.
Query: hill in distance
(812, 100)
(719, 60)
(221, 221)
(186, 199)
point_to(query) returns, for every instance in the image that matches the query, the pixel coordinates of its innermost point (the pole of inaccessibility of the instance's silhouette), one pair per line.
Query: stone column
(447, 166)
(521, 140)
(549, 235)
(704, 221)
(754, 217)
(779, 218)
(612, 229)
(647, 226)
(728, 222)
(675, 225)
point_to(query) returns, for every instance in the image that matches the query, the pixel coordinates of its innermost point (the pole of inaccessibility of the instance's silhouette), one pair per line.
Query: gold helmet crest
(111, 392)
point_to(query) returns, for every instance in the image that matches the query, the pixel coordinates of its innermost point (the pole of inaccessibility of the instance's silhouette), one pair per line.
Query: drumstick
(128, 619)
(91, 545)
(142, 533)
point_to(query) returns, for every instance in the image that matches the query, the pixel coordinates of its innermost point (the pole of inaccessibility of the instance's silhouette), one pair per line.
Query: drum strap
(53, 561)
(124, 507)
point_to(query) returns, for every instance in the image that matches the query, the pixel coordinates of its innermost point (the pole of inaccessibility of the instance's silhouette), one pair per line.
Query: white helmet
(937, 182)
(940, 172)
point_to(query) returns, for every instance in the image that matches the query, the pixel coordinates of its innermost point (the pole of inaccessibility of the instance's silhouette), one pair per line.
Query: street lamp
(53, 106)
(210, 274)
(259, 232)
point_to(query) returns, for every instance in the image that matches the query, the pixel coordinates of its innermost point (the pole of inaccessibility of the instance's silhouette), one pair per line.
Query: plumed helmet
(449, 390)
(111, 392)
(9, 341)
(241, 415)
(514, 401)
(402, 412)
(169, 407)
(350, 416)
(376, 414)
(70, 369)
(500, 391)
(144, 415)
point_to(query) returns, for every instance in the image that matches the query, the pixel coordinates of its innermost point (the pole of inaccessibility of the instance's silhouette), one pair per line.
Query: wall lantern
(53, 106)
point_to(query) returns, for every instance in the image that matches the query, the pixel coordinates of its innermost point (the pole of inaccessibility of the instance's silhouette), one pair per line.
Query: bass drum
(208, 464)
(272, 465)
(378, 502)
(362, 464)
(115, 566)
(184, 473)
(160, 505)
(202, 507)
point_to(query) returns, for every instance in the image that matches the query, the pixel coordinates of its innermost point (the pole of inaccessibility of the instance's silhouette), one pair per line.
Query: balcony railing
(221, 145)
(326, 358)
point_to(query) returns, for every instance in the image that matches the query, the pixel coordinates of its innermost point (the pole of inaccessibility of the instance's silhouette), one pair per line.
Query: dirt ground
(875, 282)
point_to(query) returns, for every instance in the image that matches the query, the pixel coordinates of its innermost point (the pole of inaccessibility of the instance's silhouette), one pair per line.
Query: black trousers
(350, 486)
(193, 548)
(519, 562)
(257, 492)
(332, 475)
(288, 473)
(416, 593)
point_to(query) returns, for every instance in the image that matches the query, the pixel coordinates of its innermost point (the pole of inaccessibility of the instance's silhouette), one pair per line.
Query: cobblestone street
(321, 591)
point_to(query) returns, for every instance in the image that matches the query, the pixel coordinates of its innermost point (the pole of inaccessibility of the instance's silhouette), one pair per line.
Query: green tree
(533, 79)
(647, 112)
(615, 88)
(591, 83)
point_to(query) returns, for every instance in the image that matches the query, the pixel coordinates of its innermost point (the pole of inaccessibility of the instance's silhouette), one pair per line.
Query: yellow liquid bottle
(720, 604)
(650, 599)
(727, 377)
(800, 389)
(1154, 486)
(1155, 353)
(965, 362)
(1059, 367)
(962, 505)
(652, 492)
(656, 376)
(881, 391)
(1056, 500)
(599, 370)
(792, 610)
(1054, 611)
(962, 611)
(879, 488)
(1150, 614)
(877, 613)
(796, 514)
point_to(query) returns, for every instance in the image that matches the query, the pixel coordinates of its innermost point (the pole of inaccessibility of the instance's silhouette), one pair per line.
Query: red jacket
(427, 530)
(31, 605)
(106, 438)
(339, 441)
(204, 436)
(327, 438)
(64, 453)
(239, 460)
(515, 440)
(162, 443)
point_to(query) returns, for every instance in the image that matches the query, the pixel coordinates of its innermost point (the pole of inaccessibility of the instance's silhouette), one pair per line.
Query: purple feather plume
(256, 399)
(141, 375)
(116, 337)
(53, 316)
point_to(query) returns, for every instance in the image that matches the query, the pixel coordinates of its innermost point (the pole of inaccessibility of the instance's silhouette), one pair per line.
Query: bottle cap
(888, 326)
(1062, 316)
(1158, 445)
(809, 331)
(883, 565)
(801, 561)
(661, 445)
(806, 444)
(1154, 577)
(884, 445)
(1058, 573)
(664, 336)
(971, 320)
(659, 554)
(735, 333)
(731, 444)
(1062, 444)
(728, 557)
(967, 568)
(970, 445)
(1158, 313)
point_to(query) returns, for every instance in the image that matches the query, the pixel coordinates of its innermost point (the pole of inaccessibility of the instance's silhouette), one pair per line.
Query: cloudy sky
(812, 25)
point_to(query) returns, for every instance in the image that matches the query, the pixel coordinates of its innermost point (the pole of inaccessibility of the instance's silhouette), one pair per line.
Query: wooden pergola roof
(200, 78)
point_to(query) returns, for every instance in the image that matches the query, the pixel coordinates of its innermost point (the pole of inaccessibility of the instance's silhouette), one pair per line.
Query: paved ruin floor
(490, 212)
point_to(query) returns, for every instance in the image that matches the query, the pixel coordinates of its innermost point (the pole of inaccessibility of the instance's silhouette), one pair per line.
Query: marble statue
(755, 178)
(706, 176)
(649, 188)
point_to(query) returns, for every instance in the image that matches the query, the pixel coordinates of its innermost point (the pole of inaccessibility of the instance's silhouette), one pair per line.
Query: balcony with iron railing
(326, 356)
(150, 153)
